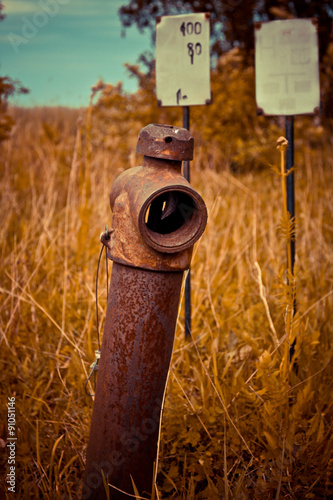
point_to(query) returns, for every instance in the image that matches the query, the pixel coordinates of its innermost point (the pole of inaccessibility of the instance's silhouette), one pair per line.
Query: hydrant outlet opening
(172, 220)
(169, 212)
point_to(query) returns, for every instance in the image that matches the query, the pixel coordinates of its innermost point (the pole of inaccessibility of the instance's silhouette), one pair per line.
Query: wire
(94, 365)
(93, 369)
(96, 293)
(107, 275)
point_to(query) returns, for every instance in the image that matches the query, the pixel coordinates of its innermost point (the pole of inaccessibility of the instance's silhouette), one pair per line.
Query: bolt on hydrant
(157, 218)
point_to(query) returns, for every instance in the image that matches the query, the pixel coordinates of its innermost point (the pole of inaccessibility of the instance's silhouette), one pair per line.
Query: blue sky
(60, 48)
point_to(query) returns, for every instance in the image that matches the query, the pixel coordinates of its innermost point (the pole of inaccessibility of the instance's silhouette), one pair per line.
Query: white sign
(287, 68)
(183, 60)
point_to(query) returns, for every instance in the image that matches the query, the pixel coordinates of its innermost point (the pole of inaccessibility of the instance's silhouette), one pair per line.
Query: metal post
(290, 179)
(186, 168)
(289, 123)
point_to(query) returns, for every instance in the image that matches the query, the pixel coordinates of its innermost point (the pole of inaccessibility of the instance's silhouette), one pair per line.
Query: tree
(232, 21)
(8, 87)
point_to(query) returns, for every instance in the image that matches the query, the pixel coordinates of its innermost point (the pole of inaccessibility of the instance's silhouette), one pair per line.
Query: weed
(239, 421)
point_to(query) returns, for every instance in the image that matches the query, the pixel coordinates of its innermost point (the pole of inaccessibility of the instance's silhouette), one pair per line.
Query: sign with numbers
(287, 68)
(183, 60)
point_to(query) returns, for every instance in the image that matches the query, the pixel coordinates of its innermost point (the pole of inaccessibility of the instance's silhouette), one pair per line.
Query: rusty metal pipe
(157, 217)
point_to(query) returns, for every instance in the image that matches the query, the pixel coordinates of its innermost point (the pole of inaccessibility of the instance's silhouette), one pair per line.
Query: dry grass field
(241, 421)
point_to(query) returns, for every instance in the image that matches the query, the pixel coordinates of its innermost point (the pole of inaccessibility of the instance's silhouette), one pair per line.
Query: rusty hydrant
(157, 217)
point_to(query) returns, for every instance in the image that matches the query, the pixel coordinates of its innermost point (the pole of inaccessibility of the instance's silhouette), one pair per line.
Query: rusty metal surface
(165, 141)
(157, 217)
(135, 357)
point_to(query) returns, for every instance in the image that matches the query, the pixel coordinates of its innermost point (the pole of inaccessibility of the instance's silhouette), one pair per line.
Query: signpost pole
(183, 40)
(186, 167)
(287, 84)
(289, 125)
(290, 180)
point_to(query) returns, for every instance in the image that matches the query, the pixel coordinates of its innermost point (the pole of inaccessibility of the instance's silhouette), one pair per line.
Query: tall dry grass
(241, 419)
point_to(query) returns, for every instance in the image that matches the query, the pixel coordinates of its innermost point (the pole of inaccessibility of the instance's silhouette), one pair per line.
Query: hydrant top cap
(165, 141)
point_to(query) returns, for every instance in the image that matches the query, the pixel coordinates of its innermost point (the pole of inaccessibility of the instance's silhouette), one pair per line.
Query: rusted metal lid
(165, 141)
